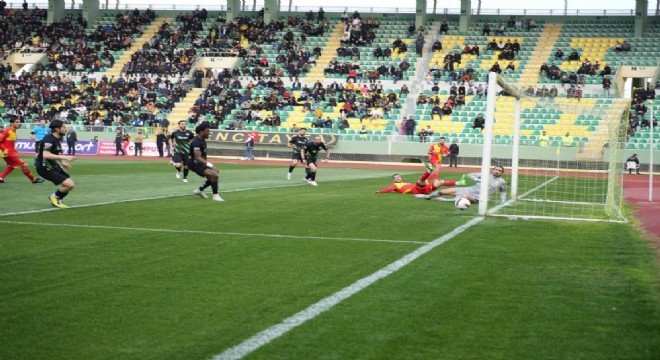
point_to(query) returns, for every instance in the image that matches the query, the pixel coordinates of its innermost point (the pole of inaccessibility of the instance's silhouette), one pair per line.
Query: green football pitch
(140, 268)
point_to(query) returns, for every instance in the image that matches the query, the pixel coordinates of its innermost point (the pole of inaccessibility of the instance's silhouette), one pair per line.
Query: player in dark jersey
(180, 145)
(296, 143)
(200, 166)
(310, 155)
(50, 162)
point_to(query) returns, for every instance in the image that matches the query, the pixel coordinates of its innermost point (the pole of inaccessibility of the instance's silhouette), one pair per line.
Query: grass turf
(108, 286)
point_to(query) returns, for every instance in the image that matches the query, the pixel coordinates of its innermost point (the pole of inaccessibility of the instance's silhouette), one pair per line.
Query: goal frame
(614, 197)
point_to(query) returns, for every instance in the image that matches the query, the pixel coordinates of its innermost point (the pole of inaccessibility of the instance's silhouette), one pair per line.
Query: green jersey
(181, 140)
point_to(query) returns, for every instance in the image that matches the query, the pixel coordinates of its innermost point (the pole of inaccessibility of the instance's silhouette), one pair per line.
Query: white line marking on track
(266, 336)
(179, 231)
(142, 199)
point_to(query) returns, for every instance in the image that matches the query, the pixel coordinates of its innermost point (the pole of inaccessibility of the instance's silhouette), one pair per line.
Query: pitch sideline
(142, 199)
(182, 231)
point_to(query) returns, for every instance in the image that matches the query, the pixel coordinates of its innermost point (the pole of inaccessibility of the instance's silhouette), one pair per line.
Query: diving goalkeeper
(472, 193)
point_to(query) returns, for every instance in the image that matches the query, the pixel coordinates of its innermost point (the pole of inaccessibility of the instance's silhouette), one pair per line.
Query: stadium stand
(283, 76)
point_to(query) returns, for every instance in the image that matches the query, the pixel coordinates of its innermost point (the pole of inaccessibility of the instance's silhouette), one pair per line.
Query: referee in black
(50, 162)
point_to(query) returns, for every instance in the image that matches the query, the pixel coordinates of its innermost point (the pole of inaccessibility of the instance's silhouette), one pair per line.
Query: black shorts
(296, 156)
(180, 158)
(197, 168)
(311, 161)
(54, 175)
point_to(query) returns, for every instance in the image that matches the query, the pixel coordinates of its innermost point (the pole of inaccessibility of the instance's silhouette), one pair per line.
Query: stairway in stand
(542, 52)
(327, 53)
(125, 58)
(181, 109)
(593, 149)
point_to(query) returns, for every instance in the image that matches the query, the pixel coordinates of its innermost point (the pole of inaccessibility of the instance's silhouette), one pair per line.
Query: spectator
(567, 140)
(419, 45)
(607, 83)
(632, 163)
(479, 122)
(623, 47)
(343, 123)
(444, 28)
(607, 70)
(249, 146)
(485, 30)
(425, 134)
(543, 139)
(496, 68)
(411, 124)
(139, 138)
(574, 56)
(364, 133)
(161, 139)
(453, 153)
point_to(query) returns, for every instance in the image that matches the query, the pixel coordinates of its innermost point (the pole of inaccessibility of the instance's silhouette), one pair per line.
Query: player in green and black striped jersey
(310, 154)
(296, 143)
(180, 145)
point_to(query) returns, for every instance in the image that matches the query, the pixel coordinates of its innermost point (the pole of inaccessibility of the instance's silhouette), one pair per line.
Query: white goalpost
(563, 156)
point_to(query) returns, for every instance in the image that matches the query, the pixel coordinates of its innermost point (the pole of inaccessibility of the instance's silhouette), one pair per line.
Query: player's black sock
(312, 175)
(308, 172)
(60, 195)
(214, 187)
(178, 169)
(291, 167)
(185, 173)
(205, 185)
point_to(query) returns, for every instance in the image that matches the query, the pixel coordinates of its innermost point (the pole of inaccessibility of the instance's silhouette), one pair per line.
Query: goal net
(563, 155)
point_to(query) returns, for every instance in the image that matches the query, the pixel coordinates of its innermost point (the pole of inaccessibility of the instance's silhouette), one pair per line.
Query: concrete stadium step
(327, 53)
(540, 55)
(180, 111)
(125, 58)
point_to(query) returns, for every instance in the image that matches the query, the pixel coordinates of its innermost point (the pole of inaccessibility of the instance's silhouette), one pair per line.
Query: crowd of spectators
(16, 27)
(225, 95)
(354, 72)
(514, 22)
(639, 114)
(67, 43)
(104, 102)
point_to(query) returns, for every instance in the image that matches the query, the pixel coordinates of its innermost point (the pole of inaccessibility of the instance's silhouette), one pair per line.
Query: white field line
(142, 199)
(266, 336)
(183, 231)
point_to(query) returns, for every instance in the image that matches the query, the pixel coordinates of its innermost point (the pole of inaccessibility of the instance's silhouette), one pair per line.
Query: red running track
(636, 193)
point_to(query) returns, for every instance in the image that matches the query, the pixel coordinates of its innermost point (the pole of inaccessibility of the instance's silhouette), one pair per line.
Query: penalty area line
(201, 232)
(266, 336)
(141, 199)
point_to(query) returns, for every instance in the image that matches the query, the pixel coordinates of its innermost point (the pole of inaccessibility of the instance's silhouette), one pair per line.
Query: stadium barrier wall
(351, 150)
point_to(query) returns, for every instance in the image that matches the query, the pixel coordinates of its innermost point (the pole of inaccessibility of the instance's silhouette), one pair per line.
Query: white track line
(266, 336)
(180, 231)
(142, 199)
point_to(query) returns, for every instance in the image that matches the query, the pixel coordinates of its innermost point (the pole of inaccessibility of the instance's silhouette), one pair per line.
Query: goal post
(563, 156)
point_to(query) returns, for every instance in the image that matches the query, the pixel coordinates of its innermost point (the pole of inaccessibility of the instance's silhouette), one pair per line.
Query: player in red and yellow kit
(9, 155)
(436, 152)
(420, 187)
